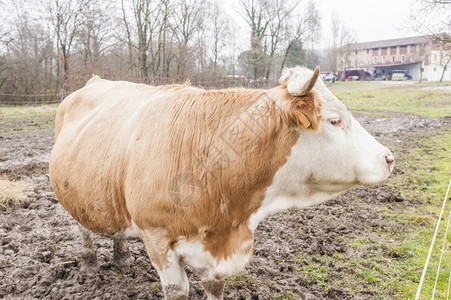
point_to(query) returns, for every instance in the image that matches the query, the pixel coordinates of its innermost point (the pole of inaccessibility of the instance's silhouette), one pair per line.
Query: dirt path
(40, 246)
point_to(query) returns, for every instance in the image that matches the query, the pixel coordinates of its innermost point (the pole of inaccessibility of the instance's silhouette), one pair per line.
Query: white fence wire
(441, 255)
(423, 275)
(30, 99)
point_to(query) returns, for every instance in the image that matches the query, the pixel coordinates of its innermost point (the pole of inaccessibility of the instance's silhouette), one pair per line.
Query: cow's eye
(335, 122)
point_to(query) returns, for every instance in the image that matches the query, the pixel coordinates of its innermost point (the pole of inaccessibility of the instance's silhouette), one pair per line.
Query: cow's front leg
(214, 288)
(172, 275)
(89, 252)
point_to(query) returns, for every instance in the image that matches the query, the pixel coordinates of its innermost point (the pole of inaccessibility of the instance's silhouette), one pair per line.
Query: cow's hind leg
(120, 250)
(214, 288)
(172, 275)
(89, 252)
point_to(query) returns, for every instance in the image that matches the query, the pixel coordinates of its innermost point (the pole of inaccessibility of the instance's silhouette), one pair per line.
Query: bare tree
(278, 14)
(255, 14)
(437, 28)
(158, 48)
(313, 24)
(335, 43)
(4, 41)
(66, 17)
(142, 12)
(144, 26)
(156, 41)
(27, 57)
(422, 22)
(129, 35)
(187, 18)
(445, 59)
(294, 35)
(232, 49)
(343, 40)
(220, 35)
(148, 36)
(213, 39)
(95, 34)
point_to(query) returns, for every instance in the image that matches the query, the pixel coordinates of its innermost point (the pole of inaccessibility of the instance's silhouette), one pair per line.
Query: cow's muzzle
(390, 159)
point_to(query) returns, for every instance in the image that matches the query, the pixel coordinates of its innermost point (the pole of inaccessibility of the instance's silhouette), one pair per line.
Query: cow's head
(334, 152)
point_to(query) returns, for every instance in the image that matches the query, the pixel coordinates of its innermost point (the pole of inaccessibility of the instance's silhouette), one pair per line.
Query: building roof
(391, 43)
(393, 64)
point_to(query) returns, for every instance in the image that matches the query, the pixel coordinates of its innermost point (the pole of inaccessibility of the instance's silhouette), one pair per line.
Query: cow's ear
(302, 112)
(302, 105)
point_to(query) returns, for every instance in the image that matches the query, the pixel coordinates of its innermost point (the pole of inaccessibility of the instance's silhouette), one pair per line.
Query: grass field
(425, 160)
(425, 100)
(34, 118)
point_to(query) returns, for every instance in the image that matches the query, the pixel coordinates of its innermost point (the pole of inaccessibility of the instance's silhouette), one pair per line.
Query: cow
(192, 172)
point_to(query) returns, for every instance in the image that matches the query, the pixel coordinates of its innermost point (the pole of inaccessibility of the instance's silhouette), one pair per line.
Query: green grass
(32, 118)
(419, 99)
(429, 170)
(23, 111)
(393, 269)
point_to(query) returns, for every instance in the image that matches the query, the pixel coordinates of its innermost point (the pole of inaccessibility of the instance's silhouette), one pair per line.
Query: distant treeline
(49, 48)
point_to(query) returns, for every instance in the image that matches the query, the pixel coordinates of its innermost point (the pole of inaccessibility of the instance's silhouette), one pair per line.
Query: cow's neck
(237, 184)
(274, 203)
(291, 188)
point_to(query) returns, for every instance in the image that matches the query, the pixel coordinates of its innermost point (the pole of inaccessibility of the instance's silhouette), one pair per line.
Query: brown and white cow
(192, 172)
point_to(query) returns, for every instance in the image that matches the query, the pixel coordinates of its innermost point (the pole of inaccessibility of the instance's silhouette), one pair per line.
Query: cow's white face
(341, 154)
(326, 162)
(331, 160)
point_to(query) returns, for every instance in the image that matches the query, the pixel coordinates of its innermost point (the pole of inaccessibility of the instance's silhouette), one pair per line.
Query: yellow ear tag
(303, 119)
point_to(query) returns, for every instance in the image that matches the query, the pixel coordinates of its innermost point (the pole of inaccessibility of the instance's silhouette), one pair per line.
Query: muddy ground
(40, 245)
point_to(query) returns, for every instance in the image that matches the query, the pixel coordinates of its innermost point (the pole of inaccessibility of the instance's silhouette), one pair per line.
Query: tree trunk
(286, 55)
(443, 74)
(445, 66)
(130, 50)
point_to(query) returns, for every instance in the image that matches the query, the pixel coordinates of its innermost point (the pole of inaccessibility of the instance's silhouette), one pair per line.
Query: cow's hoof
(125, 265)
(120, 250)
(89, 259)
(120, 256)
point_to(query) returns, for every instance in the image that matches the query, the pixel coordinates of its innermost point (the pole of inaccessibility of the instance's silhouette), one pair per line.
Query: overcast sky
(368, 20)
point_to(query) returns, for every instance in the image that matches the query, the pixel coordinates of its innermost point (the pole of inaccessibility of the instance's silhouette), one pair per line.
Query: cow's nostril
(390, 161)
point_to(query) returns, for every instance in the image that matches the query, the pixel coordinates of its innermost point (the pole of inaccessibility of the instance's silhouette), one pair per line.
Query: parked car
(351, 75)
(400, 75)
(330, 78)
(367, 76)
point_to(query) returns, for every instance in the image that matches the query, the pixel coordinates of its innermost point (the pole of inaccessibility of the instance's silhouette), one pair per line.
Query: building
(413, 55)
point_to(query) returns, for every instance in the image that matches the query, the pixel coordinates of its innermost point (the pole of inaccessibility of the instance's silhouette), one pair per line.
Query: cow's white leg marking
(89, 252)
(173, 278)
(211, 271)
(193, 254)
(172, 275)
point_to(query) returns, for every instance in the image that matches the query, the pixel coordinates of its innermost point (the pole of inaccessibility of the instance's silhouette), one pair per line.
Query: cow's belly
(94, 206)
